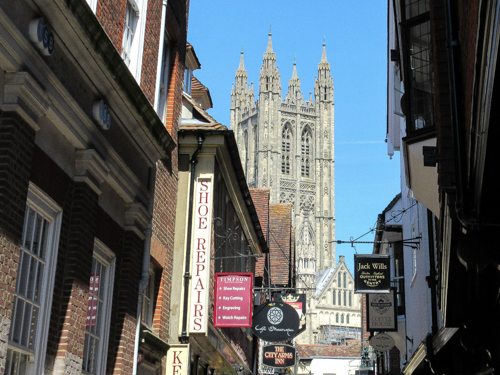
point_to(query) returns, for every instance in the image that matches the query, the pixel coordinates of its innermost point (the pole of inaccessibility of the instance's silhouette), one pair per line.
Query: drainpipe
(467, 220)
(431, 279)
(187, 275)
(144, 276)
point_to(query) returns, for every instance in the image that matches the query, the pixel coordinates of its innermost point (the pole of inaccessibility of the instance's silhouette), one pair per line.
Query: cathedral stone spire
(269, 42)
(294, 95)
(323, 87)
(323, 57)
(269, 75)
(242, 64)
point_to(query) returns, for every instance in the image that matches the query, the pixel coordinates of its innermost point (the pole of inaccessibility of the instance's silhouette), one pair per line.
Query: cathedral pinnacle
(294, 73)
(269, 43)
(323, 57)
(242, 64)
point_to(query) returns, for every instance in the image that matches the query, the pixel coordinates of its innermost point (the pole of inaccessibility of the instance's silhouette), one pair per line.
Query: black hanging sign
(372, 273)
(279, 355)
(275, 321)
(381, 312)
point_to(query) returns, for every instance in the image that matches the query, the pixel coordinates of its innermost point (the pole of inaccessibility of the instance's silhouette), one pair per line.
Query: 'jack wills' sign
(200, 270)
(372, 273)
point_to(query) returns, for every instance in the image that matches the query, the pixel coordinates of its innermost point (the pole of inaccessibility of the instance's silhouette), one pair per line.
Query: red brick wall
(16, 152)
(260, 199)
(151, 49)
(280, 225)
(111, 15)
(162, 241)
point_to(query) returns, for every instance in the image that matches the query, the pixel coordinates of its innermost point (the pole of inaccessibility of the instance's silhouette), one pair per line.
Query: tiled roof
(202, 120)
(351, 350)
(280, 255)
(260, 199)
(198, 89)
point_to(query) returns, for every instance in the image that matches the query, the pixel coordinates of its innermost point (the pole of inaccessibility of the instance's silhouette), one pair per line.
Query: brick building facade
(89, 107)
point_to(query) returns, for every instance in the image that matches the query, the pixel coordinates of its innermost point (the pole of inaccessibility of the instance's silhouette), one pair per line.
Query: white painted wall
(337, 366)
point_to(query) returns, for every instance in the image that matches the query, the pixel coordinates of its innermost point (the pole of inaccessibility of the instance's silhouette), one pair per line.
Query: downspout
(467, 220)
(187, 276)
(143, 282)
(431, 280)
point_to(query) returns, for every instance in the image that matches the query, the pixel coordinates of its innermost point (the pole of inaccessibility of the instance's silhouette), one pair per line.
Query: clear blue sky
(366, 180)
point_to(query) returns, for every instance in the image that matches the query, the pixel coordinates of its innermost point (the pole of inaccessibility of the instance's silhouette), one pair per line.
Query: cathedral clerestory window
(306, 152)
(286, 145)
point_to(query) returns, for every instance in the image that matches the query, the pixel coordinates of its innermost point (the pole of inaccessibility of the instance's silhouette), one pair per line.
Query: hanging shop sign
(381, 314)
(200, 270)
(279, 356)
(178, 360)
(275, 321)
(233, 300)
(382, 342)
(298, 302)
(372, 273)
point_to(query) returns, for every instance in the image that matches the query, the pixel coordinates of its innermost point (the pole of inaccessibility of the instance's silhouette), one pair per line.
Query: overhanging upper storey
(410, 63)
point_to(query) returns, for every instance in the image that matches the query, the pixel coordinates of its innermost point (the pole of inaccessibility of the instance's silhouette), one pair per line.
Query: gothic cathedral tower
(287, 145)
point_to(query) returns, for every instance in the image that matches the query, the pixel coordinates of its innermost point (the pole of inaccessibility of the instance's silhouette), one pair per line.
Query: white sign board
(200, 270)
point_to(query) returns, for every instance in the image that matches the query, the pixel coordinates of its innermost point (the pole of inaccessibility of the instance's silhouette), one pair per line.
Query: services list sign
(372, 273)
(233, 300)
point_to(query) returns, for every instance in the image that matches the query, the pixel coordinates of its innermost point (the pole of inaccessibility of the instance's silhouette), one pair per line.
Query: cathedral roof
(323, 278)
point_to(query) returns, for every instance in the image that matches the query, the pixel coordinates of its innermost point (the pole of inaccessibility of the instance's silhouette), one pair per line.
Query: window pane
(421, 76)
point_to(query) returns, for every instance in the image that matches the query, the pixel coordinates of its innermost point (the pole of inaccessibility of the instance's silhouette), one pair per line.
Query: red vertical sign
(233, 300)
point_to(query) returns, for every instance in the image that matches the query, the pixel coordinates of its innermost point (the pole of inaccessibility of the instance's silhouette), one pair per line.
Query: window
(34, 285)
(347, 319)
(350, 299)
(418, 82)
(342, 319)
(164, 81)
(99, 310)
(345, 278)
(334, 294)
(129, 28)
(306, 152)
(340, 281)
(286, 145)
(186, 86)
(340, 298)
(133, 36)
(337, 318)
(148, 300)
(345, 295)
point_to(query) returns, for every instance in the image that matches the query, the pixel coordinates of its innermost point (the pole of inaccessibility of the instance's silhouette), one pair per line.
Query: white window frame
(163, 80)
(105, 256)
(136, 50)
(43, 205)
(93, 5)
